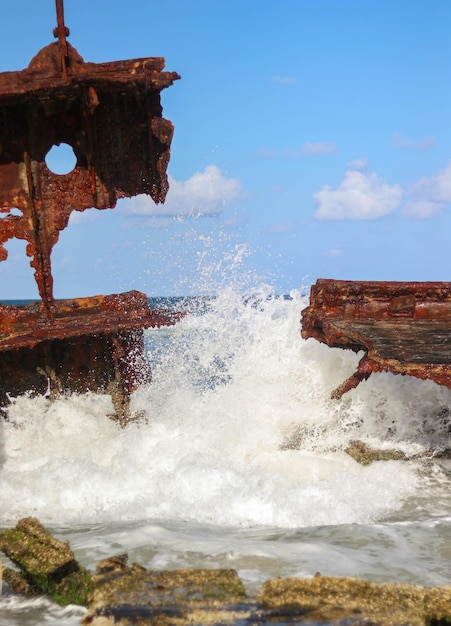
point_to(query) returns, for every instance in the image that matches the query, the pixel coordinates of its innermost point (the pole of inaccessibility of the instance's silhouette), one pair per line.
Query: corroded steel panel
(29, 325)
(94, 343)
(111, 116)
(403, 327)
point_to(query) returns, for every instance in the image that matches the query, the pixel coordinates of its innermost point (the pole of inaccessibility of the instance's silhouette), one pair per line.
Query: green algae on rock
(329, 599)
(47, 564)
(365, 455)
(18, 583)
(123, 595)
(133, 595)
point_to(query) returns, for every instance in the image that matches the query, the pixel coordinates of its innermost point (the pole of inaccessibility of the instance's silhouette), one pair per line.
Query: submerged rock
(18, 583)
(363, 454)
(326, 599)
(125, 595)
(47, 564)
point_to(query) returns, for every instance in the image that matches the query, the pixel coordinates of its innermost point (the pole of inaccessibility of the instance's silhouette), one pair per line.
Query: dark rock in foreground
(123, 595)
(348, 601)
(48, 565)
(365, 455)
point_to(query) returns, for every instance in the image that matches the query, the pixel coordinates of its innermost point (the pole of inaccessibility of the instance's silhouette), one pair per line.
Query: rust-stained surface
(29, 325)
(403, 327)
(111, 116)
(94, 343)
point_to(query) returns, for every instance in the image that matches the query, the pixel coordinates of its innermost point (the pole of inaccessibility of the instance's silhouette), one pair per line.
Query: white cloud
(427, 143)
(319, 147)
(437, 188)
(363, 195)
(308, 149)
(334, 252)
(421, 209)
(358, 164)
(287, 227)
(408, 144)
(204, 194)
(430, 194)
(359, 196)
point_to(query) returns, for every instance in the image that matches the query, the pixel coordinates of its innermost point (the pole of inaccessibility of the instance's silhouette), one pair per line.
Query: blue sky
(312, 139)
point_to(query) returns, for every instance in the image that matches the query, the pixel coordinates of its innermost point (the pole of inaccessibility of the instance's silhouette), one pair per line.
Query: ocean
(239, 460)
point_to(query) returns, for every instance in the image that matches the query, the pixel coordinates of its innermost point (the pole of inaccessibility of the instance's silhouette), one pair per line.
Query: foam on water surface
(240, 461)
(239, 430)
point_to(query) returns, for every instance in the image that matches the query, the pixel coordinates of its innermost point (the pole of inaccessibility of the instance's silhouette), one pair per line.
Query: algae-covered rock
(46, 563)
(363, 454)
(115, 581)
(328, 599)
(18, 583)
(125, 595)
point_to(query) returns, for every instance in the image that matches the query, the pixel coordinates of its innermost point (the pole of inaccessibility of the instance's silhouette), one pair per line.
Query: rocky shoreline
(120, 594)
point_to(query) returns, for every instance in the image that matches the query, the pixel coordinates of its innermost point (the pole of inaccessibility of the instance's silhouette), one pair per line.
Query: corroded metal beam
(402, 327)
(94, 343)
(111, 116)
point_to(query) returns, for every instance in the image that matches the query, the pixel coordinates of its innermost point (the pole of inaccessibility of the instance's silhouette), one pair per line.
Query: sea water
(238, 460)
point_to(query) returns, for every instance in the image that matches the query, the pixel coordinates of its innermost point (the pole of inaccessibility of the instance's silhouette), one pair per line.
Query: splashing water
(239, 431)
(240, 460)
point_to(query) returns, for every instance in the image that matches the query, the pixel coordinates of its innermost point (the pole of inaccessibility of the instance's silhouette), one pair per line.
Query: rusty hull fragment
(109, 113)
(111, 116)
(403, 327)
(91, 343)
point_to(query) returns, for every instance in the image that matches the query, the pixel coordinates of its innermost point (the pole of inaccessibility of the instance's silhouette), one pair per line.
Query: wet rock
(46, 563)
(125, 595)
(363, 454)
(331, 600)
(18, 583)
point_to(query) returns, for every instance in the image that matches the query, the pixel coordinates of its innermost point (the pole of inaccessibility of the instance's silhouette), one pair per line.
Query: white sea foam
(16, 610)
(240, 430)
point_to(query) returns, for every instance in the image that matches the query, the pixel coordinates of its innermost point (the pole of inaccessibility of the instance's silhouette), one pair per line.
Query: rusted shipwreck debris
(111, 116)
(403, 327)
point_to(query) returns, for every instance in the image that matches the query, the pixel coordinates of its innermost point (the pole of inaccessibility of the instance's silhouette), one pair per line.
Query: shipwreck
(110, 114)
(402, 327)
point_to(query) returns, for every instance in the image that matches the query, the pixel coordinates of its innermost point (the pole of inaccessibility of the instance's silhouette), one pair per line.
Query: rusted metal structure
(111, 116)
(403, 327)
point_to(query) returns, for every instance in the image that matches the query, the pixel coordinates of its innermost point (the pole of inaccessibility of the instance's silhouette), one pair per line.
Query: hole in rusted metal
(61, 159)
(101, 129)
(12, 212)
(16, 272)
